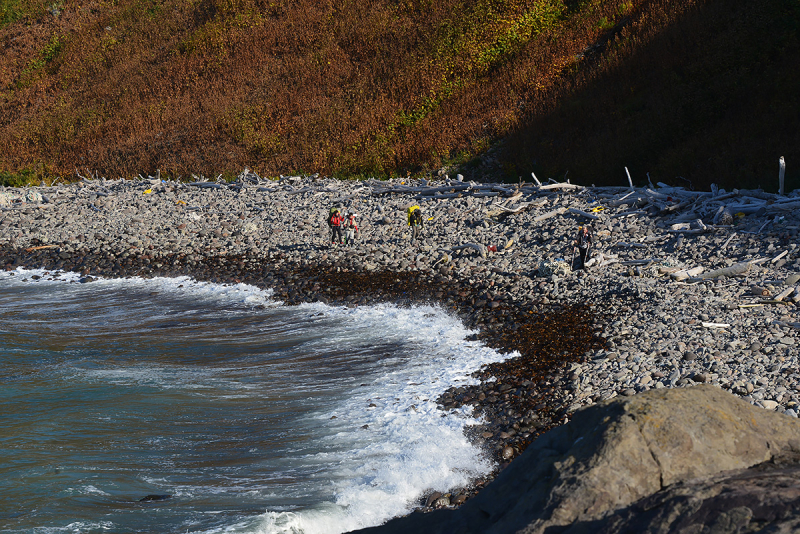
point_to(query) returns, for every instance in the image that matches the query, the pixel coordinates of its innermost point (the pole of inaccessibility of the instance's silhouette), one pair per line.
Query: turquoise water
(251, 416)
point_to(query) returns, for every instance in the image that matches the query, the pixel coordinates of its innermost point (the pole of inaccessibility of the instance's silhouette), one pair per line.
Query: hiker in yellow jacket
(415, 221)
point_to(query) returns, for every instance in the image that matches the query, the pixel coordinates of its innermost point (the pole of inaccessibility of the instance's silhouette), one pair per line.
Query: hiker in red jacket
(335, 222)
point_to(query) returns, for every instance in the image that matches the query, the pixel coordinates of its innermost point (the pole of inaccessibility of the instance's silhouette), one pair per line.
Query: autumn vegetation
(690, 91)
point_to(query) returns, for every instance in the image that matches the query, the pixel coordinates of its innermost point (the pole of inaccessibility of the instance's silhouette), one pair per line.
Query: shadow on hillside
(712, 98)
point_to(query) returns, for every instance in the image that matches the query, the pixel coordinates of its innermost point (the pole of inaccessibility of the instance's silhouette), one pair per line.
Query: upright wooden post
(780, 176)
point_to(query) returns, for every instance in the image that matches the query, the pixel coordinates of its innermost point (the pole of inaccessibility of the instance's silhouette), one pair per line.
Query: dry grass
(381, 87)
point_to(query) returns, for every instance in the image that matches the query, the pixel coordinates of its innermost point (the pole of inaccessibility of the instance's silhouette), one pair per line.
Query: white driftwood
(607, 259)
(780, 201)
(549, 214)
(514, 196)
(601, 260)
(736, 269)
(628, 214)
(584, 214)
(716, 325)
(783, 206)
(779, 256)
(536, 180)
(551, 187)
(630, 182)
(628, 199)
(725, 244)
(475, 246)
(502, 210)
(781, 172)
(655, 195)
(683, 274)
(675, 207)
(785, 293)
(438, 196)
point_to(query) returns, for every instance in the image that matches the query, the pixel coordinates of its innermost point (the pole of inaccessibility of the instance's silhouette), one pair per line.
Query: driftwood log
(584, 214)
(737, 269)
(543, 216)
(683, 274)
(475, 246)
(557, 186)
(785, 293)
(501, 211)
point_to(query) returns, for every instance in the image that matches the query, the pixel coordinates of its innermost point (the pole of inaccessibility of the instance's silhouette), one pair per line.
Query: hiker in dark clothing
(584, 243)
(335, 222)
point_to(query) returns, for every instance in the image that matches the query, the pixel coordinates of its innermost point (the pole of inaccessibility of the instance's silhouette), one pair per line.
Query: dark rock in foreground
(677, 460)
(151, 498)
(764, 498)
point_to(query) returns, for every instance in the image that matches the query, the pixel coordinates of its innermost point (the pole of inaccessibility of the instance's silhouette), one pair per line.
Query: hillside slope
(693, 88)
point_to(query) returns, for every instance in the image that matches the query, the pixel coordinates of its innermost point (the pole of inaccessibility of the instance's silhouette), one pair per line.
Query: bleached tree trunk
(475, 246)
(736, 269)
(780, 176)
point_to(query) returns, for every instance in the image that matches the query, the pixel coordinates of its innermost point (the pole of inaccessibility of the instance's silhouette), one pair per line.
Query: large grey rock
(613, 454)
(763, 498)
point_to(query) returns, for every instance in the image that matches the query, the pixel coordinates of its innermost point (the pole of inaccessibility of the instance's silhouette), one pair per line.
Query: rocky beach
(681, 287)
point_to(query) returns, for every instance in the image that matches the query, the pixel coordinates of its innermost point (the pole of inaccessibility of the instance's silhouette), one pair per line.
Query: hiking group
(337, 221)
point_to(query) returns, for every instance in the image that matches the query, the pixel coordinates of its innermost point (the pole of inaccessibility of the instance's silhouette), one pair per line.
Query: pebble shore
(623, 326)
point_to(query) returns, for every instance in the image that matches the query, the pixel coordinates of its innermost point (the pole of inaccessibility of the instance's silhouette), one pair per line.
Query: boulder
(612, 455)
(763, 498)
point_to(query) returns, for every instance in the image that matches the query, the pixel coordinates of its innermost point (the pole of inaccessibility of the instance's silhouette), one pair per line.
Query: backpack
(332, 214)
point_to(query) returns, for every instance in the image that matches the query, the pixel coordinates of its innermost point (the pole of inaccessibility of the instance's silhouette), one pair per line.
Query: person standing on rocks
(335, 221)
(584, 243)
(350, 228)
(415, 221)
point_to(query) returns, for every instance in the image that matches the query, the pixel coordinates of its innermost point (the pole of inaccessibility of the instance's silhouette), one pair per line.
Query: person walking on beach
(415, 221)
(584, 243)
(350, 228)
(335, 221)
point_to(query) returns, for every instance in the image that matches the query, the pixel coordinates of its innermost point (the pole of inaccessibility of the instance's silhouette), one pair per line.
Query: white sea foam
(243, 294)
(21, 275)
(388, 443)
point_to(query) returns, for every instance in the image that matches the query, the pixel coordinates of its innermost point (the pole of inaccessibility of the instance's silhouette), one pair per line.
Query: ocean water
(252, 416)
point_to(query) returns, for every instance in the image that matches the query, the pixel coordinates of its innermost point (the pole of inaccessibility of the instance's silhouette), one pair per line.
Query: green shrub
(21, 179)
